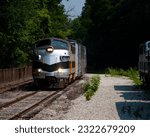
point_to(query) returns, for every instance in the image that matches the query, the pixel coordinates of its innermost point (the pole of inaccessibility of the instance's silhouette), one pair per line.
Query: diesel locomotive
(144, 62)
(58, 62)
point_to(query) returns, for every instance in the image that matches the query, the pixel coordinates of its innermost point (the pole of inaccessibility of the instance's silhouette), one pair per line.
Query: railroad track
(20, 107)
(7, 104)
(25, 105)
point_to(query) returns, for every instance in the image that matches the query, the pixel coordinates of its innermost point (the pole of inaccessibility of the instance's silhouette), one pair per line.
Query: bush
(86, 86)
(91, 87)
(89, 93)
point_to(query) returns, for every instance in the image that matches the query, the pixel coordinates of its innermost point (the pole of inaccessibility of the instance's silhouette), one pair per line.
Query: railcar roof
(72, 40)
(52, 38)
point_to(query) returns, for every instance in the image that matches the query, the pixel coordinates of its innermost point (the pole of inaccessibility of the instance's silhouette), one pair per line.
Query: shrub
(89, 93)
(91, 87)
(86, 86)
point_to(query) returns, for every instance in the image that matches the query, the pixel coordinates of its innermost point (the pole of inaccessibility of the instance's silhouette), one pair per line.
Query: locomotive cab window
(57, 44)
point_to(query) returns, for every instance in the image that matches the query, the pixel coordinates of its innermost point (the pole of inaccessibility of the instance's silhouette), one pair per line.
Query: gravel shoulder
(116, 99)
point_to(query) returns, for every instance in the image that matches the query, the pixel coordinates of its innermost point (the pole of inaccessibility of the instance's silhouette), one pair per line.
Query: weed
(91, 87)
(89, 93)
(133, 74)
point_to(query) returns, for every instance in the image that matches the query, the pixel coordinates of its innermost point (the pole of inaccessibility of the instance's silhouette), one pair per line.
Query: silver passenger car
(80, 58)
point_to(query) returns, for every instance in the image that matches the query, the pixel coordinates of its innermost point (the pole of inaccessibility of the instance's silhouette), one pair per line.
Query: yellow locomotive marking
(70, 60)
(74, 71)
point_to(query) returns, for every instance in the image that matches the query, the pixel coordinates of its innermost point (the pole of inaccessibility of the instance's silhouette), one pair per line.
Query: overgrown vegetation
(91, 87)
(22, 22)
(133, 74)
(113, 31)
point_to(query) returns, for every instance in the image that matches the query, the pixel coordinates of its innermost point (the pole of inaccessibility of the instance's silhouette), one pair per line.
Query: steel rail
(49, 98)
(7, 104)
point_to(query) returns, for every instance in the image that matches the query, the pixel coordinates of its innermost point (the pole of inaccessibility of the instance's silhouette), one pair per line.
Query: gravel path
(115, 99)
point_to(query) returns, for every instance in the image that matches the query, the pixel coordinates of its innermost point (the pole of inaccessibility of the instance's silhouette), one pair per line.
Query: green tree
(113, 30)
(13, 16)
(22, 22)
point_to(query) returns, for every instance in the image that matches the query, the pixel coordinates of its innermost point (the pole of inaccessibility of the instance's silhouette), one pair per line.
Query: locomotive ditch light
(60, 70)
(39, 70)
(40, 57)
(50, 49)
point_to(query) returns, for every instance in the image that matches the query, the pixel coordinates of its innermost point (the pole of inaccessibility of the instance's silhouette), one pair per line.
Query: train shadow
(31, 87)
(136, 105)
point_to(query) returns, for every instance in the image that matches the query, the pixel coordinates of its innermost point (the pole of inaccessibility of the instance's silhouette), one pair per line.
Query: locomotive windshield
(57, 44)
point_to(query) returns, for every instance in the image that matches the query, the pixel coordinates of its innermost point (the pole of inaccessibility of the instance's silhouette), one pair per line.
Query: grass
(91, 87)
(133, 74)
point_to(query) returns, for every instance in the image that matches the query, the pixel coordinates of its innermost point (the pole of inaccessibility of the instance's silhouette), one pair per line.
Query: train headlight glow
(40, 57)
(39, 70)
(50, 49)
(60, 70)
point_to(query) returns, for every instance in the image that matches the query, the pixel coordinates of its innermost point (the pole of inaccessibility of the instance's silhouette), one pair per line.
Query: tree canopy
(22, 22)
(113, 31)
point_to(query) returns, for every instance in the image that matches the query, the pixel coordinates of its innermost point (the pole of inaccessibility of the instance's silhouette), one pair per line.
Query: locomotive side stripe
(70, 65)
(72, 59)
(53, 67)
(74, 71)
(73, 49)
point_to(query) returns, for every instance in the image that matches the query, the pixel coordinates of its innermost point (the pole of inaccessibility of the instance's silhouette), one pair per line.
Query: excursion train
(144, 62)
(58, 62)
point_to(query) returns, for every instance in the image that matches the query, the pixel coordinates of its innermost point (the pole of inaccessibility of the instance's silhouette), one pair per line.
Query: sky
(75, 6)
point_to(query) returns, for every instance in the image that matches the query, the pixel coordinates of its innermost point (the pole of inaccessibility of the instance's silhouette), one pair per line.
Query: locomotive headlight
(50, 49)
(60, 70)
